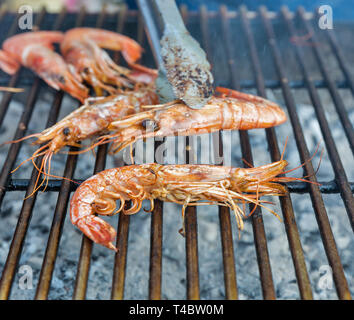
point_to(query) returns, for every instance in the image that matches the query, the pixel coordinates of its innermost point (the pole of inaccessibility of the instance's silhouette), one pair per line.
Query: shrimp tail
(98, 231)
(35, 135)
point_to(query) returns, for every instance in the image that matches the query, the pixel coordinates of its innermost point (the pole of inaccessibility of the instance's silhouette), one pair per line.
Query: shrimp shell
(181, 184)
(89, 120)
(81, 48)
(35, 50)
(231, 110)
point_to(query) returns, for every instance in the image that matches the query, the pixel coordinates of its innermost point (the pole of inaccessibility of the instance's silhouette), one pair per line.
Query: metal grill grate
(201, 21)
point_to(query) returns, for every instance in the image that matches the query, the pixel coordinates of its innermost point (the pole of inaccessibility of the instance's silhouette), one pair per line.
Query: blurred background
(342, 9)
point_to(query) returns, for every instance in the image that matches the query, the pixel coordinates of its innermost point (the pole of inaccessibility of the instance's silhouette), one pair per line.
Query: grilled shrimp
(35, 50)
(81, 48)
(231, 110)
(187, 185)
(87, 121)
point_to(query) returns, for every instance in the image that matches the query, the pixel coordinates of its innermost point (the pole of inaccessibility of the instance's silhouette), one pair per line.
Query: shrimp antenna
(319, 162)
(286, 142)
(45, 170)
(247, 163)
(36, 186)
(257, 202)
(48, 174)
(287, 179)
(49, 166)
(36, 154)
(21, 139)
(162, 105)
(308, 160)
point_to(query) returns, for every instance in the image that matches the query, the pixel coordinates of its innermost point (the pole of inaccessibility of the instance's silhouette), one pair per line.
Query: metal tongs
(184, 71)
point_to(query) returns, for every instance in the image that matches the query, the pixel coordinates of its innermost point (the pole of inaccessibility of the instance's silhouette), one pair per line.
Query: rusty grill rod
(50, 255)
(28, 204)
(326, 187)
(123, 223)
(59, 213)
(338, 102)
(286, 205)
(25, 118)
(257, 219)
(336, 49)
(156, 227)
(340, 175)
(191, 224)
(230, 279)
(317, 201)
(83, 267)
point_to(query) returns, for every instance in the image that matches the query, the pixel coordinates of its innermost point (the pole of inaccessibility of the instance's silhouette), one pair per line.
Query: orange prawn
(35, 51)
(81, 49)
(187, 185)
(229, 110)
(89, 120)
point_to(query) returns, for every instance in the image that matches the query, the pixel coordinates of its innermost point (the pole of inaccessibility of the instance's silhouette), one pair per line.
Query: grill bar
(155, 269)
(258, 230)
(340, 57)
(58, 220)
(326, 187)
(87, 244)
(123, 223)
(23, 123)
(120, 258)
(230, 279)
(156, 252)
(26, 211)
(191, 224)
(28, 204)
(285, 201)
(57, 224)
(60, 210)
(257, 220)
(337, 165)
(338, 102)
(319, 207)
(20, 132)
